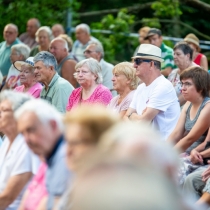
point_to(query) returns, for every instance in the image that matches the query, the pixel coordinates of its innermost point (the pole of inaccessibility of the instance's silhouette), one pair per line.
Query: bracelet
(130, 115)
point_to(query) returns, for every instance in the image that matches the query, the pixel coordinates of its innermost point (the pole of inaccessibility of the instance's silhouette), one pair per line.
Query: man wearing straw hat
(155, 100)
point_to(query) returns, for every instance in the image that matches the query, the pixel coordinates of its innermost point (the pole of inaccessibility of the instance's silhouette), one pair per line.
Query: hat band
(142, 54)
(29, 62)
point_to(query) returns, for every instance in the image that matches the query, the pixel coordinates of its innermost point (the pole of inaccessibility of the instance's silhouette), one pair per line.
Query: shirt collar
(55, 77)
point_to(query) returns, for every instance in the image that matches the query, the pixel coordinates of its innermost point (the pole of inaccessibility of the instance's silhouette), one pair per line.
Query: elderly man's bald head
(32, 26)
(10, 33)
(57, 30)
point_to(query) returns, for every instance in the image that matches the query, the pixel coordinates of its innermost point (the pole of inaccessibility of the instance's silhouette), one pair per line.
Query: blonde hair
(144, 30)
(129, 71)
(68, 40)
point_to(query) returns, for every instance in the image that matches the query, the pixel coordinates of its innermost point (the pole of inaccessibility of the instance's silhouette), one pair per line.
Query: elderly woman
(89, 76)
(183, 60)
(83, 128)
(125, 82)
(198, 58)
(27, 78)
(17, 163)
(192, 127)
(43, 37)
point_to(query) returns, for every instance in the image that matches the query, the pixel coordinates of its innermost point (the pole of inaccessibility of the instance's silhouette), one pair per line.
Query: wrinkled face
(189, 91)
(77, 147)
(10, 34)
(37, 134)
(15, 56)
(180, 59)
(58, 50)
(26, 75)
(84, 76)
(120, 81)
(41, 72)
(90, 52)
(6, 115)
(43, 38)
(81, 35)
(155, 40)
(31, 27)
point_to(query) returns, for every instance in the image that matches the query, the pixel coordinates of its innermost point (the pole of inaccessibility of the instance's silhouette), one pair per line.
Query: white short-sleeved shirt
(18, 160)
(159, 95)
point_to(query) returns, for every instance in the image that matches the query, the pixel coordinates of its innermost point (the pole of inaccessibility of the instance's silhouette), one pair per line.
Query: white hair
(47, 30)
(22, 49)
(84, 27)
(98, 47)
(65, 44)
(43, 110)
(94, 66)
(15, 98)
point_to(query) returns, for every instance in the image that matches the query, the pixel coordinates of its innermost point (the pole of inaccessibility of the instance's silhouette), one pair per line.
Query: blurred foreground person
(57, 29)
(127, 173)
(125, 83)
(89, 76)
(42, 127)
(83, 129)
(17, 163)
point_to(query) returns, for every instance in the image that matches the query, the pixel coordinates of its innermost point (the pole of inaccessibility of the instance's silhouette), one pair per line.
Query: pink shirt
(124, 105)
(35, 90)
(101, 95)
(37, 189)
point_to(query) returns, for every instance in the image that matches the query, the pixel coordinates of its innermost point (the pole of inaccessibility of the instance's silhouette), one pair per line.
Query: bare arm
(9, 194)
(198, 129)
(67, 71)
(204, 62)
(166, 71)
(21, 207)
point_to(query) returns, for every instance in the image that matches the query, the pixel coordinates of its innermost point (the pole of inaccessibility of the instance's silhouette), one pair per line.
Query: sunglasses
(138, 61)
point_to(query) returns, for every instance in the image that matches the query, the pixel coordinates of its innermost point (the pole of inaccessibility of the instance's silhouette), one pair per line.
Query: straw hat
(192, 39)
(29, 61)
(149, 51)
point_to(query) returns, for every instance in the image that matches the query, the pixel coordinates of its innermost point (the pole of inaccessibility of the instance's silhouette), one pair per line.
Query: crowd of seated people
(79, 133)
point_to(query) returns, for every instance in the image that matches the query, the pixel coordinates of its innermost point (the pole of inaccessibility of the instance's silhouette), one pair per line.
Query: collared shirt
(58, 176)
(79, 48)
(18, 160)
(58, 92)
(167, 56)
(5, 51)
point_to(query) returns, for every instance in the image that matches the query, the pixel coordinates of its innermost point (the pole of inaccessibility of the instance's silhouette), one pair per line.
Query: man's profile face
(58, 50)
(90, 52)
(31, 27)
(41, 72)
(155, 40)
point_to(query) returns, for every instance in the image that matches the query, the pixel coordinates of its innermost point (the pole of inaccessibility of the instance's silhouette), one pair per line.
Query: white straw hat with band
(29, 61)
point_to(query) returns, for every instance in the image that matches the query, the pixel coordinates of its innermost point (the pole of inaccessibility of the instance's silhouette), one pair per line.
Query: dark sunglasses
(138, 61)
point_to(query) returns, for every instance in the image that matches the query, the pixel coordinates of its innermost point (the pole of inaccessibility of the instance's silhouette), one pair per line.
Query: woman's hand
(195, 157)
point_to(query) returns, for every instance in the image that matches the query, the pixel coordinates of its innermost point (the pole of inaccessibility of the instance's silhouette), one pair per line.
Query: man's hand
(206, 174)
(195, 157)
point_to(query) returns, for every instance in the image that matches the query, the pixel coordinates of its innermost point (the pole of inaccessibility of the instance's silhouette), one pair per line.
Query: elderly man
(95, 50)
(41, 125)
(65, 60)
(83, 37)
(10, 36)
(155, 100)
(57, 29)
(56, 89)
(155, 37)
(29, 37)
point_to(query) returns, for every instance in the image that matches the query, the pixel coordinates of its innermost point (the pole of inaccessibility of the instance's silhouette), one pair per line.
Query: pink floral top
(101, 95)
(35, 90)
(37, 189)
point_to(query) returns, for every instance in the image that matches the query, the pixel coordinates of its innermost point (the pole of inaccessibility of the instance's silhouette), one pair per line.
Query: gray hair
(47, 58)
(13, 26)
(15, 98)
(65, 44)
(84, 27)
(98, 47)
(47, 30)
(43, 110)
(22, 49)
(94, 66)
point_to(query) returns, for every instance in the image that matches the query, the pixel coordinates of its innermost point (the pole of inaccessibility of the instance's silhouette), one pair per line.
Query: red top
(101, 95)
(198, 59)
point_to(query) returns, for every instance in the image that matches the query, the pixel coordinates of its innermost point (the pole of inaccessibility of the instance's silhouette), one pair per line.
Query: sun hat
(149, 51)
(29, 61)
(192, 38)
(152, 32)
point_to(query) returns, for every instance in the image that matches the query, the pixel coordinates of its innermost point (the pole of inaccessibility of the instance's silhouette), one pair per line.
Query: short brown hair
(200, 78)
(94, 120)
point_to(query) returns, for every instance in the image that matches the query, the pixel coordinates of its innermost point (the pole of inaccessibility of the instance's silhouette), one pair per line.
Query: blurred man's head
(32, 26)
(155, 37)
(82, 32)
(10, 33)
(94, 50)
(57, 30)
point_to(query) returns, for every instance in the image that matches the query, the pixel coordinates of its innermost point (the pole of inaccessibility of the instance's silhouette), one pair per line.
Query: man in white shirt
(155, 100)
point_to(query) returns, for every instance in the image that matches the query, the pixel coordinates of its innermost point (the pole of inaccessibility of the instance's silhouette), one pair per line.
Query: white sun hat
(29, 61)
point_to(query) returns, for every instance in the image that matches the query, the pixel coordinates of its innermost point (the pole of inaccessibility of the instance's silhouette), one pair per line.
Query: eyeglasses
(89, 51)
(138, 61)
(185, 84)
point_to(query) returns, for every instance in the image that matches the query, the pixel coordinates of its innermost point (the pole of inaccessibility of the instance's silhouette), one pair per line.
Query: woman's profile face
(119, 81)
(26, 75)
(180, 58)
(84, 76)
